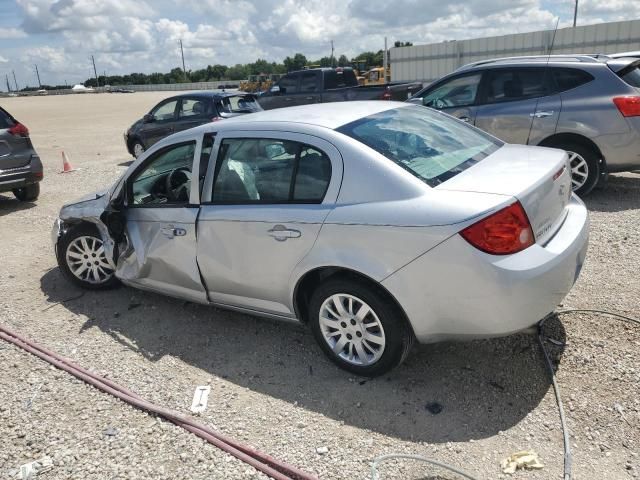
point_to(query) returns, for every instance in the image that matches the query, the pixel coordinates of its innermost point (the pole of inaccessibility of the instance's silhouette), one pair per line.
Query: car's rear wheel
(585, 167)
(358, 328)
(28, 193)
(137, 148)
(82, 258)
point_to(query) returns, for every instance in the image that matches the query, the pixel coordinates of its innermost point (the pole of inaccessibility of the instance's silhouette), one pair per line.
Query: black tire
(593, 164)
(398, 335)
(139, 144)
(75, 232)
(28, 193)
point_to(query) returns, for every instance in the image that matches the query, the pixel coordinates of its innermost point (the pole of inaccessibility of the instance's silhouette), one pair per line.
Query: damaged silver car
(376, 223)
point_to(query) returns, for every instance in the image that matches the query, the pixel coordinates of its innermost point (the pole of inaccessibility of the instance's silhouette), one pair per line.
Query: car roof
(328, 115)
(536, 60)
(635, 54)
(210, 94)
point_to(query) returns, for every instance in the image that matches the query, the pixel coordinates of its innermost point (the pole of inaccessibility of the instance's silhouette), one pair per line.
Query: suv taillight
(629, 106)
(386, 95)
(505, 232)
(19, 130)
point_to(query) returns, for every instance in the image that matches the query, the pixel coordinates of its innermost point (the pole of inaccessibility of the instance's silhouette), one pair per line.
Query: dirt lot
(270, 385)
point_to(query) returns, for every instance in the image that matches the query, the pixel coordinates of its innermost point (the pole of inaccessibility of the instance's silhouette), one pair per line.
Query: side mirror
(148, 118)
(426, 102)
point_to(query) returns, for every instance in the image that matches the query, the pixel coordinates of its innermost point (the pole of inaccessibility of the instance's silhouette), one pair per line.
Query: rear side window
(632, 77)
(568, 78)
(5, 120)
(289, 84)
(430, 145)
(193, 107)
(507, 85)
(237, 104)
(339, 79)
(308, 82)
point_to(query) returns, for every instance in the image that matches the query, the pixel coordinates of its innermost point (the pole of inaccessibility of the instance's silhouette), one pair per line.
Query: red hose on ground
(260, 461)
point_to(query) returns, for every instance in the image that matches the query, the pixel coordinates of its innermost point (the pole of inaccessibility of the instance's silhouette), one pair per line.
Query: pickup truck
(323, 85)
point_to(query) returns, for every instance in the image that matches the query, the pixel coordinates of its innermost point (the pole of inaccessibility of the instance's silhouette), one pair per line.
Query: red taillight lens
(387, 94)
(628, 106)
(505, 232)
(215, 119)
(19, 130)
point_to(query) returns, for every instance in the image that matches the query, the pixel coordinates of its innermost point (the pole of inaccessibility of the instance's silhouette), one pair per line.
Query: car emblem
(561, 190)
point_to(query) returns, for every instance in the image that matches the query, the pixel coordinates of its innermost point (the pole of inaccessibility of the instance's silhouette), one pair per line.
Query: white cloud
(143, 35)
(3, 60)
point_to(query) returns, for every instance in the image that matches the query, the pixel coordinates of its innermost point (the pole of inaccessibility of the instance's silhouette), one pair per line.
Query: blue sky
(142, 35)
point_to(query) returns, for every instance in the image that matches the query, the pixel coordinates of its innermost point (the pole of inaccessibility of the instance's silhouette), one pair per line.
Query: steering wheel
(177, 184)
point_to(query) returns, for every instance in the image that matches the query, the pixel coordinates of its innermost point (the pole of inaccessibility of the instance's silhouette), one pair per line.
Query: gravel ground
(270, 385)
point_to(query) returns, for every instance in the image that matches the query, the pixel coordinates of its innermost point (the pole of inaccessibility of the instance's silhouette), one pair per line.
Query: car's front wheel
(28, 193)
(358, 328)
(82, 258)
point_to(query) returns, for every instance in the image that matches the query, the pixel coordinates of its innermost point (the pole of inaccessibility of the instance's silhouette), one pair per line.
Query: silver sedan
(375, 223)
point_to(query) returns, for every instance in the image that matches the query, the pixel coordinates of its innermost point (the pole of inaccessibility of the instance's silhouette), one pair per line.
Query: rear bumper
(19, 177)
(620, 151)
(457, 292)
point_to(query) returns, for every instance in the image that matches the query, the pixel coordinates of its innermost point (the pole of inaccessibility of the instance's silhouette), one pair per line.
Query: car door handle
(541, 114)
(464, 118)
(171, 232)
(281, 233)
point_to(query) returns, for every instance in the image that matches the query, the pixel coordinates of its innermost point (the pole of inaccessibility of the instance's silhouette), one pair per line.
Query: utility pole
(385, 61)
(8, 86)
(184, 69)
(575, 15)
(95, 72)
(14, 79)
(332, 63)
(38, 75)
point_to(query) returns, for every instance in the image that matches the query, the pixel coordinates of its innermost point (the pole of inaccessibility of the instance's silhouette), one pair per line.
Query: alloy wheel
(87, 260)
(352, 329)
(579, 170)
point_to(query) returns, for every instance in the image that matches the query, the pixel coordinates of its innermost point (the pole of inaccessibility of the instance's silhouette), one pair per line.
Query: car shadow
(621, 192)
(10, 205)
(444, 392)
(126, 163)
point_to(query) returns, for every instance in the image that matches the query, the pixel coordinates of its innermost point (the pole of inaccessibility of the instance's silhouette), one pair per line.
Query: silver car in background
(375, 223)
(588, 105)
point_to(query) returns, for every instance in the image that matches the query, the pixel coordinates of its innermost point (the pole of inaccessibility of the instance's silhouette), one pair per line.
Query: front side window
(506, 85)
(165, 111)
(270, 171)
(457, 92)
(431, 146)
(166, 178)
(192, 108)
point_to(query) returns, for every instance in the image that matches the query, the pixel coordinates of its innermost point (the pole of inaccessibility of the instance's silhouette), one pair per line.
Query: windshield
(431, 145)
(238, 104)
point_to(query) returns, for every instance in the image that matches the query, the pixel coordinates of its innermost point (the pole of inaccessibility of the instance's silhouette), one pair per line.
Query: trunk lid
(540, 178)
(15, 151)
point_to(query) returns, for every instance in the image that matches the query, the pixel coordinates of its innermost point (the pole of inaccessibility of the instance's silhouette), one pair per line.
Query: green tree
(343, 61)
(403, 44)
(296, 63)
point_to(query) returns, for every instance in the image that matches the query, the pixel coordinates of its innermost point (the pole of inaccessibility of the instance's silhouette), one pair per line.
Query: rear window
(632, 77)
(5, 120)
(430, 145)
(568, 78)
(237, 104)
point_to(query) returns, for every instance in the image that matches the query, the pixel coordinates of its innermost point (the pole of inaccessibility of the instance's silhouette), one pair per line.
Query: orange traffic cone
(66, 165)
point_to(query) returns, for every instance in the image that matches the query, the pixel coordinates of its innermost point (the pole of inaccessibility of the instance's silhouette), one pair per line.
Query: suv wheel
(357, 328)
(585, 167)
(28, 193)
(82, 258)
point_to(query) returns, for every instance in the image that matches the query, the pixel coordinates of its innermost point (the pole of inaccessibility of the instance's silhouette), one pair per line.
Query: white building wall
(427, 63)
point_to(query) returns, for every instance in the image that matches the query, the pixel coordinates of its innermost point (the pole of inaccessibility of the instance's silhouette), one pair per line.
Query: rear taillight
(215, 119)
(628, 106)
(505, 232)
(19, 130)
(386, 95)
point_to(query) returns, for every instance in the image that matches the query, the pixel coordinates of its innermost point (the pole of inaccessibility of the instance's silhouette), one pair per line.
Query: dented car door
(160, 214)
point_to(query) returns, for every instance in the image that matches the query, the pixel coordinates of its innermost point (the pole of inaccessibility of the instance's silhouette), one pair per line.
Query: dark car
(186, 111)
(20, 166)
(325, 85)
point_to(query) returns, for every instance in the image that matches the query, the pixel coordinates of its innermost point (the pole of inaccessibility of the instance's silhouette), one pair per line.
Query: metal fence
(427, 63)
